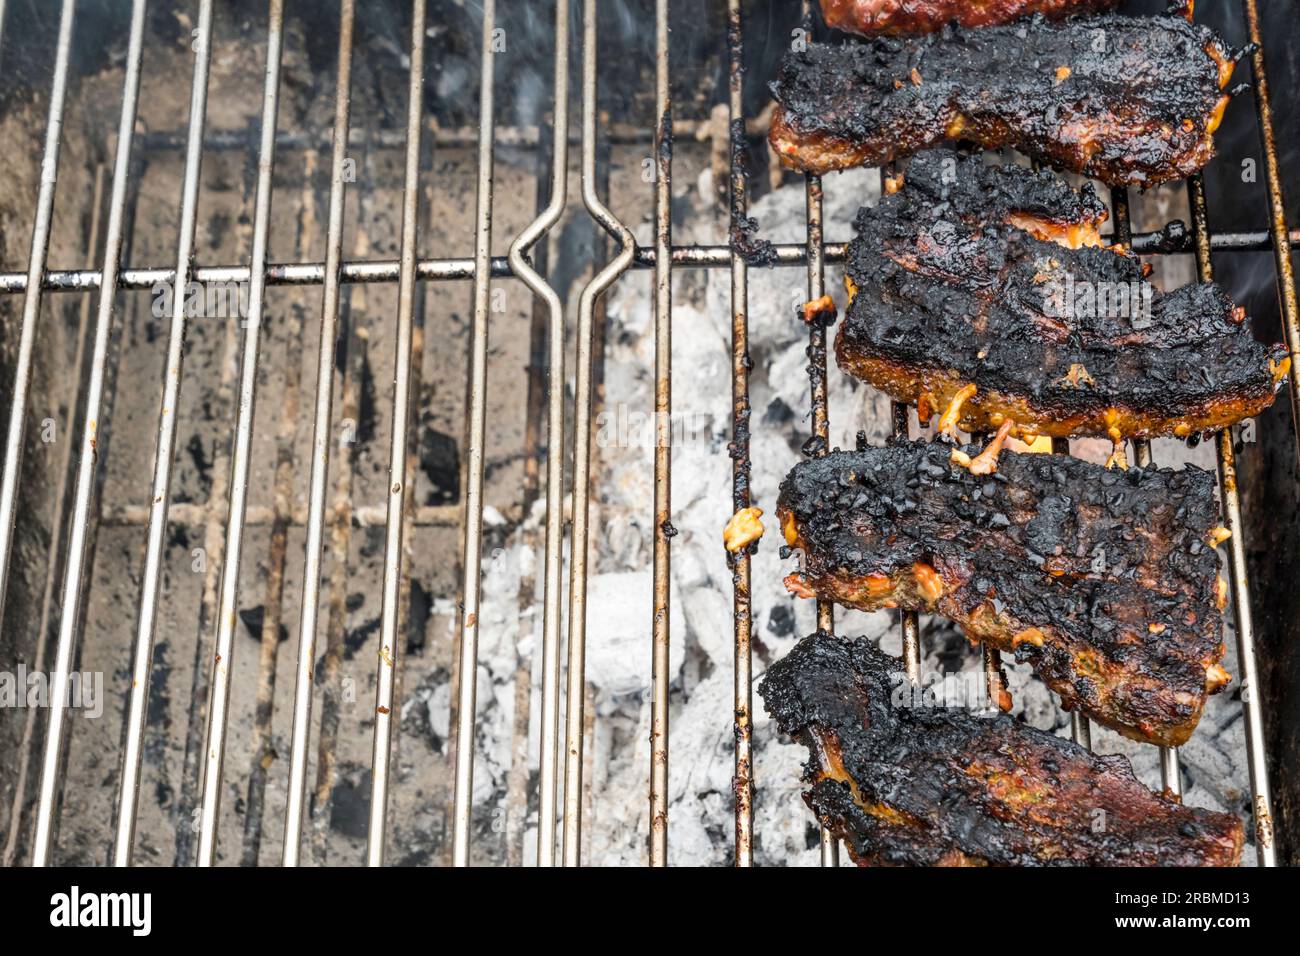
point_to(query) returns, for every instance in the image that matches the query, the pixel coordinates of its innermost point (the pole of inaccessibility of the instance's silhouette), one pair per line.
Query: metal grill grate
(560, 782)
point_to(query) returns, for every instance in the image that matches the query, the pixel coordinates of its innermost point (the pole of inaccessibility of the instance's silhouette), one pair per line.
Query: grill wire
(561, 802)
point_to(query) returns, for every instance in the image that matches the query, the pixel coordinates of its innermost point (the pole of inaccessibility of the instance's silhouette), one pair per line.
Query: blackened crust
(1063, 341)
(963, 186)
(925, 785)
(1102, 580)
(1130, 101)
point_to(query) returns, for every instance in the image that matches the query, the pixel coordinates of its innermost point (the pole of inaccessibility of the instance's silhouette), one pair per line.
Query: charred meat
(1106, 582)
(954, 184)
(873, 17)
(1128, 100)
(967, 299)
(906, 784)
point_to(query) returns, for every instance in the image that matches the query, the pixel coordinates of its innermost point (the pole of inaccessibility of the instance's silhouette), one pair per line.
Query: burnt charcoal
(747, 243)
(440, 462)
(781, 621)
(350, 803)
(254, 618)
(420, 611)
(356, 637)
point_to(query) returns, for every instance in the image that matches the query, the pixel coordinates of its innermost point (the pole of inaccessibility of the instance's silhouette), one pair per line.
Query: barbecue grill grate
(560, 781)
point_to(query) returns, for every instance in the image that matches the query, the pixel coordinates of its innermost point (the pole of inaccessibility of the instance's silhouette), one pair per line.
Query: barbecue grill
(48, 627)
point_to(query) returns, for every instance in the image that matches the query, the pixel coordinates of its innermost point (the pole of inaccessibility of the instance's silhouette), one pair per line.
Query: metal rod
(820, 443)
(22, 380)
(214, 545)
(85, 488)
(575, 689)
(829, 848)
(470, 590)
(166, 446)
(518, 136)
(815, 254)
(1251, 703)
(264, 751)
(404, 635)
(379, 760)
(321, 442)
(219, 687)
(690, 256)
(1277, 208)
(1171, 776)
(548, 759)
(519, 776)
(57, 515)
(1080, 730)
(58, 508)
(994, 680)
(742, 783)
(276, 274)
(995, 683)
(360, 516)
(663, 529)
(353, 314)
(39, 251)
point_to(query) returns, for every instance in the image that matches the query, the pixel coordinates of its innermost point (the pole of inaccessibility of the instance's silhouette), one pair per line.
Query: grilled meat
(950, 183)
(949, 291)
(1130, 101)
(1106, 582)
(870, 17)
(910, 785)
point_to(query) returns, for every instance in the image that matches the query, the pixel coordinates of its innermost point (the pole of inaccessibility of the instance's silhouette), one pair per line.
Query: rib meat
(902, 783)
(1106, 582)
(871, 17)
(1130, 101)
(954, 283)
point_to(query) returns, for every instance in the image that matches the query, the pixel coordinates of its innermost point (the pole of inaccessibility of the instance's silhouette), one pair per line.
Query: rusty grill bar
(446, 270)
(397, 464)
(302, 695)
(741, 496)
(561, 805)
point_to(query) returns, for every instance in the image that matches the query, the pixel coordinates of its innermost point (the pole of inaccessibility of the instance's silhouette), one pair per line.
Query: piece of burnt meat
(905, 781)
(951, 183)
(1132, 101)
(874, 17)
(960, 304)
(1105, 581)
